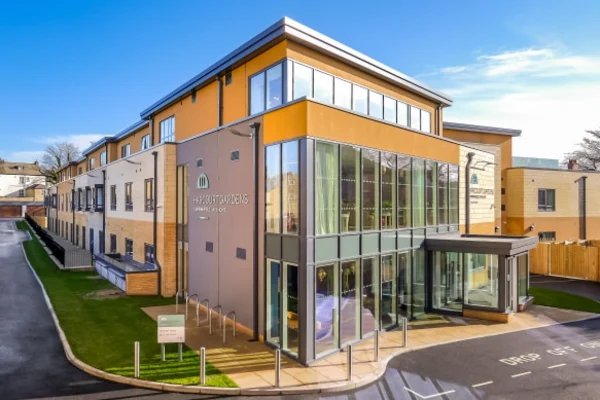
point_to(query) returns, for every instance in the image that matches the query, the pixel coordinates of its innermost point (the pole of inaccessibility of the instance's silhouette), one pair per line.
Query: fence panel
(580, 261)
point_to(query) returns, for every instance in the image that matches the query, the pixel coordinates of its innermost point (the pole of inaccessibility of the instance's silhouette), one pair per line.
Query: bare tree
(588, 154)
(57, 156)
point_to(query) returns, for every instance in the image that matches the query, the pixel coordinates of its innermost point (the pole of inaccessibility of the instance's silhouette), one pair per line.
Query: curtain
(326, 188)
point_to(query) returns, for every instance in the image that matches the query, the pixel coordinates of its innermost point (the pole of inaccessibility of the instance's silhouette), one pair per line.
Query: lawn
(101, 331)
(555, 298)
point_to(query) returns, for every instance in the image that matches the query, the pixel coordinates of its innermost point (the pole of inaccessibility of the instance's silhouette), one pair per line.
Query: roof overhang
(481, 129)
(482, 244)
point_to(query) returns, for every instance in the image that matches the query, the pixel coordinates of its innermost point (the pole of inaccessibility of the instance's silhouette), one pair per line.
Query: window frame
(149, 196)
(128, 187)
(546, 207)
(163, 138)
(284, 76)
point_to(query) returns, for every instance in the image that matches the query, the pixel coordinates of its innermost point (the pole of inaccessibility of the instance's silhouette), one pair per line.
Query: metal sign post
(171, 329)
(202, 366)
(162, 352)
(376, 345)
(136, 359)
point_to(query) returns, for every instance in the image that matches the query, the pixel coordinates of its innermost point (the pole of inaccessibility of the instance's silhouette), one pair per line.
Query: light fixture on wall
(531, 227)
(133, 162)
(203, 218)
(238, 133)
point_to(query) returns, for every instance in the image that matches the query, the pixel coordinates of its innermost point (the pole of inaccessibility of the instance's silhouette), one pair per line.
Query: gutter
(470, 156)
(154, 221)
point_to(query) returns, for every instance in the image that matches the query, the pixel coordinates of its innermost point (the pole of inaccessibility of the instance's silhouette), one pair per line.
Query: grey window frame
(546, 207)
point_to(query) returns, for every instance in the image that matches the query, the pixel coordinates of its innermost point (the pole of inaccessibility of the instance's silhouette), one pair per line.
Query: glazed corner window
(546, 200)
(149, 194)
(302, 81)
(125, 150)
(128, 198)
(326, 188)
(113, 197)
(359, 99)
(323, 87)
(99, 198)
(290, 192)
(103, 158)
(375, 105)
(415, 118)
(167, 130)
(273, 188)
(145, 142)
(266, 89)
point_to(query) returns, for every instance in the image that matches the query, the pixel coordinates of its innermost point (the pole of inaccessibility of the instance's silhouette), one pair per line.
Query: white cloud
(551, 96)
(82, 141)
(23, 156)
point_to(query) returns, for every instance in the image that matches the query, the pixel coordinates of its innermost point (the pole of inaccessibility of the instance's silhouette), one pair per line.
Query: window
(92, 163)
(425, 121)
(375, 105)
(402, 113)
(149, 194)
(326, 299)
(128, 198)
(350, 184)
(370, 190)
(79, 199)
(273, 188)
(128, 248)
(21, 193)
(88, 198)
(113, 197)
(290, 193)
(323, 87)
(99, 198)
(453, 194)
(359, 99)
(326, 188)
(194, 96)
(547, 236)
(113, 244)
(442, 197)
(21, 180)
(266, 89)
(388, 191)
(103, 158)
(481, 280)
(125, 150)
(148, 253)
(228, 78)
(302, 82)
(342, 93)
(415, 118)
(389, 109)
(404, 190)
(145, 142)
(431, 192)
(418, 192)
(546, 200)
(167, 130)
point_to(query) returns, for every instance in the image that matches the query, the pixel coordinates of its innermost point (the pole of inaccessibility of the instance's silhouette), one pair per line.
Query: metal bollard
(180, 348)
(202, 366)
(162, 352)
(404, 331)
(136, 359)
(349, 363)
(224, 329)
(376, 345)
(210, 321)
(277, 367)
(197, 314)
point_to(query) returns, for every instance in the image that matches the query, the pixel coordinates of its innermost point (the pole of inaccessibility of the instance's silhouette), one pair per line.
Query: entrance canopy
(486, 244)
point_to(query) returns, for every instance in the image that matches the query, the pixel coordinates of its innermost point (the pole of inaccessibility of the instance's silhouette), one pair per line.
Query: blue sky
(75, 71)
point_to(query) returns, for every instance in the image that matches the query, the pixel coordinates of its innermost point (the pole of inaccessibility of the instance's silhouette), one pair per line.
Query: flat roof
(287, 28)
(581, 171)
(481, 244)
(482, 128)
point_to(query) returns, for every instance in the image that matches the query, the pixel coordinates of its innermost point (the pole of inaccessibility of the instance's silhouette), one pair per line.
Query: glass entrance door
(404, 285)
(447, 282)
(389, 298)
(273, 301)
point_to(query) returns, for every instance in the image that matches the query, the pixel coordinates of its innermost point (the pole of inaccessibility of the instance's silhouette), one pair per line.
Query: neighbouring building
(22, 188)
(535, 162)
(310, 189)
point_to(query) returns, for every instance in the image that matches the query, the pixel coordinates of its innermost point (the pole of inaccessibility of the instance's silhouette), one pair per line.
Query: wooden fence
(573, 260)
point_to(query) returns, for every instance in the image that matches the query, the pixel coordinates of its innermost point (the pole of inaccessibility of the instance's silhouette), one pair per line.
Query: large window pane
(402, 113)
(447, 281)
(442, 197)
(370, 295)
(275, 86)
(405, 284)
(431, 192)
(273, 188)
(370, 190)
(481, 280)
(375, 105)
(343, 93)
(273, 301)
(389, 296)
(418, 283)
(326, 188)
(350, 189)
(257, 93)
(404, 186)
(453, 194)
(359, 99)
(326, 308)
(290, 307)
(389, 109)
(425, 121)
(415, 118)
(418, 192)
(350, 302)
(388, 191)
(303, 81)
(323, 87)
(523, 277)
(290, 187)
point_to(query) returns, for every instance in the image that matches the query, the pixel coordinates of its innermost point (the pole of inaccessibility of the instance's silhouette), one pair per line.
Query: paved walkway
(251, 364)
(574, 286)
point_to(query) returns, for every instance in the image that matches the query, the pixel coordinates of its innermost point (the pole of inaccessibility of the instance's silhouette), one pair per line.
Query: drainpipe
(255, 161)
(154, 222)
(470, 156)
(104, 200)
(582, 207)
(73, 212)
(220, 101)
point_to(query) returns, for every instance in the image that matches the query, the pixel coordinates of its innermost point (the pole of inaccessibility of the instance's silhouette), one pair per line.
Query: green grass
(101, 332)
(556, 298)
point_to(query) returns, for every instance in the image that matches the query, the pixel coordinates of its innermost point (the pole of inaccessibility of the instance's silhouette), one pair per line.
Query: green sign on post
(171, 328)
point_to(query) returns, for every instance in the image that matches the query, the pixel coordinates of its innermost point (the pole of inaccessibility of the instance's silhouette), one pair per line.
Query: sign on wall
(171, 328)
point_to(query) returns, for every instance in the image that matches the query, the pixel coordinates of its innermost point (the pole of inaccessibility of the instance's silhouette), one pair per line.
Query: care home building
(313, 191)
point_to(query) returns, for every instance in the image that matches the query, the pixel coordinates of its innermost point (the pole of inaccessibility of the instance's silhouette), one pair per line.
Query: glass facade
(350, 186)
(481, 280)
(326, 188)
(326, 307)
(370, 190)
(290, 181)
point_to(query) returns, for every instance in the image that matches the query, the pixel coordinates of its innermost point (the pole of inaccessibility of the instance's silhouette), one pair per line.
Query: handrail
(187, 302)
(210, 317)
(184, 294)
(234, 320)
(198, 310)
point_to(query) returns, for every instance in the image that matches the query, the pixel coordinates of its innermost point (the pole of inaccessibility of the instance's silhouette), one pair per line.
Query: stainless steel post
(187, 301)
(197, 314)
(180, 346)
(202, 366)
(277, 367)
(349, 363)
(210, 321)
(376, 344)
(405, 332)
(224, 329)
(162, 351)
(136, 359)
